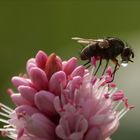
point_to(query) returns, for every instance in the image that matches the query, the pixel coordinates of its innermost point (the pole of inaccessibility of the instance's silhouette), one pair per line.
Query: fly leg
(117, 65)
(100, 63)
(87, 64)
(107, 62)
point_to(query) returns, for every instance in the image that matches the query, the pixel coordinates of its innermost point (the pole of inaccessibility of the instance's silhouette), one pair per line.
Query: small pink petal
(30, 64)
(44, 102)
(41, 59)
(70, 65)
(78, 71)
(29, 67)
(69, 128)
(75, 83)
(108, 138)
(60, 132)
(102, 119)
(57, 82)
(27, 92)
(57, 104)
(17, 81)
(39, 78)
(19, 100)
(41, 126)
(31, 60)
(94, 133)
(29, 110)
(76, 136)
(54, 64)
(20, 133)
(111, 128)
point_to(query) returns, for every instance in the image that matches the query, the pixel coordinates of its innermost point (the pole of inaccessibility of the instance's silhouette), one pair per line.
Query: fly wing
(86, 42)
(102, 43)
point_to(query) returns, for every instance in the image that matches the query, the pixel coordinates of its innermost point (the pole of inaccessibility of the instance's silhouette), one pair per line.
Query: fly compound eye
(127, 52)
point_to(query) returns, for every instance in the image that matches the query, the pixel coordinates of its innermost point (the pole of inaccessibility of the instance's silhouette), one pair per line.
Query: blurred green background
(29, 26)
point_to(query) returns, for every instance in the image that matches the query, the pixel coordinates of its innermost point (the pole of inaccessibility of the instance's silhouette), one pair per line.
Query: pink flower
(59, 100)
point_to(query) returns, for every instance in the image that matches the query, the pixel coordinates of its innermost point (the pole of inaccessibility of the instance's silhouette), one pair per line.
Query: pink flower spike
(70, 65)
(57, 82)
(39, 78)
(59, 100)
(41, 59)
(44, 102)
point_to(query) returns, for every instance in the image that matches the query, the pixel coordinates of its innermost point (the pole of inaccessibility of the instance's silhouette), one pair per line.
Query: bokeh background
(28, 26)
